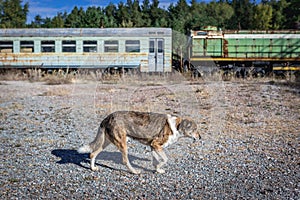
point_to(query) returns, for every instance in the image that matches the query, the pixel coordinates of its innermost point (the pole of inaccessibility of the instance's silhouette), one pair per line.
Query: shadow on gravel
(72, 156)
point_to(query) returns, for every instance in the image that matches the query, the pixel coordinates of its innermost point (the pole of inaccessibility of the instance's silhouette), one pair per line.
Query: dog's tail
(98, 142)
(85, 149)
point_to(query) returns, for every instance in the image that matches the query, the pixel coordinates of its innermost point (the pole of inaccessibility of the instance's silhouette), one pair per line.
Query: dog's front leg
(127, 163)
(159, 160)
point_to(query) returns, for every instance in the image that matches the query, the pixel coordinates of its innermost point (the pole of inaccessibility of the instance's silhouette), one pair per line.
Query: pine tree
(243, 14)
(109, 20)
(13, 14)
(73, 20)
(262, 17)
(59, 20)
(93, 17)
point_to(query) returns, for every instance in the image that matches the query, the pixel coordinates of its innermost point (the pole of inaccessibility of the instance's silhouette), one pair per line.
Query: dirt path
(249, 148)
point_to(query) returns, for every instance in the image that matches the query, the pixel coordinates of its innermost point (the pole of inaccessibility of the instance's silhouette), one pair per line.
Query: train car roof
(246, 34)
(262, 36)
(288, 31)
(86, 32)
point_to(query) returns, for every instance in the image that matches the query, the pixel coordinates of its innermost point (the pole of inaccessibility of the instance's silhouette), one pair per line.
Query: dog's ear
(187, 124)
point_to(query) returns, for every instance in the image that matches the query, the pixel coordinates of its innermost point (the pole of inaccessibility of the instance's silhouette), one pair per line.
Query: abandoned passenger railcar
(146, 49)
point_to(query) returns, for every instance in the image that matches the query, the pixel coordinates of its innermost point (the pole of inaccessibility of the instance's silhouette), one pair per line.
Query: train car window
(69, 46)
(132, 46)
(160, 48)
(26, 46)
(201, 33)
(111, 46)
(6, 46)
(151, 47)
(90, 46)
(48, 46)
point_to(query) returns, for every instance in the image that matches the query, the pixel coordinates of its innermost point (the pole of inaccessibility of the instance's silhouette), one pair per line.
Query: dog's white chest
(172, 139)
(176, 135)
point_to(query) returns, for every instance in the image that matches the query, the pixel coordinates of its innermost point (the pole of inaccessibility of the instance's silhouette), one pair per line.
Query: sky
(50, 8)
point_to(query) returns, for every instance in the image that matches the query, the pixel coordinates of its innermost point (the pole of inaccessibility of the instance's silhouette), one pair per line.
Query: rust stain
(225, 48)
(243, 59)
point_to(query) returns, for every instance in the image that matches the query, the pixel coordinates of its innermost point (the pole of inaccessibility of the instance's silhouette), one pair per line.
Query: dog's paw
(95, 168)
(136, 171)
(161, 171)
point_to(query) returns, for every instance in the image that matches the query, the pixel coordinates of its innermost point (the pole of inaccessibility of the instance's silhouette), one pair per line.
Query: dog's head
(188, 128)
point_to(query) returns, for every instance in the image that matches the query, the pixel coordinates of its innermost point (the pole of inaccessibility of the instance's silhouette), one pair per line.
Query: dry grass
(12, 75)
(56, 92)
(57, 80)
(59, 77)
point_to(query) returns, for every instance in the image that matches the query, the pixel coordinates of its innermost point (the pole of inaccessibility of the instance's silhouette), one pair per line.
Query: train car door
(156, 55)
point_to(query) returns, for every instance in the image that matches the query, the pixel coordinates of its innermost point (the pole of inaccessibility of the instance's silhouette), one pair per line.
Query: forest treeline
(181, 16)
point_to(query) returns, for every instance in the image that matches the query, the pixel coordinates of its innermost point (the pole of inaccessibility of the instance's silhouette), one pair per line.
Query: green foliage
(13, 14)
(181, 16)
(278, 18)
(262, 17)
(157, 15)
(110, 19)
(243, 14)
(75, 18)
(292, 12)
(59, 20)
(92, 18)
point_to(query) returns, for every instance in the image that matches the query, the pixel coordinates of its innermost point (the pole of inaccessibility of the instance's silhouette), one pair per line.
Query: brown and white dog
(152, 129)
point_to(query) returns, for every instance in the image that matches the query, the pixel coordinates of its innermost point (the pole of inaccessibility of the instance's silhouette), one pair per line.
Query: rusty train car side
(146, 49)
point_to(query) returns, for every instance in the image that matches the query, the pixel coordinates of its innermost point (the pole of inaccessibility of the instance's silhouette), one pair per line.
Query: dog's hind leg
(159, 160)
(126, 161)
(122, 146)
(97, 149)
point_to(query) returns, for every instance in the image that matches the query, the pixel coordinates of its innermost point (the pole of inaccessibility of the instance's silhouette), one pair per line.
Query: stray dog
(152, 129)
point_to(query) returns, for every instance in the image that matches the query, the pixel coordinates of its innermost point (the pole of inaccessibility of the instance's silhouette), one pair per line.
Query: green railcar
(244, 48)
(262, 47)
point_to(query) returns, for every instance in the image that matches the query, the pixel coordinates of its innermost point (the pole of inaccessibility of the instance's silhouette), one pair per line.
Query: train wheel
(226, 76)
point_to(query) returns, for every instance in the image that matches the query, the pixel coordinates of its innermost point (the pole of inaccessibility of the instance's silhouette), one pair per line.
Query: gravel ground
(249, 147)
